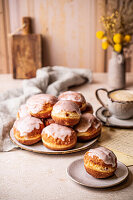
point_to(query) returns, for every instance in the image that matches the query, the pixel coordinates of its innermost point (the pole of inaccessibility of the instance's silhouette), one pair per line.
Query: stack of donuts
(58, 122)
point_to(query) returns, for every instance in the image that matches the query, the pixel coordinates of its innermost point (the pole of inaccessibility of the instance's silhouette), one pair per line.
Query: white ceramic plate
(113, 121)
(77, 173)
(40, 148)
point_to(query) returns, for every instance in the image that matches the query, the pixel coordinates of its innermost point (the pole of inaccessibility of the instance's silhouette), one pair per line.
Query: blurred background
(68, 29)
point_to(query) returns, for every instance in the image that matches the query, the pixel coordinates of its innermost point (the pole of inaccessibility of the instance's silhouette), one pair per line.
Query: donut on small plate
(58, 137)
(76, 97)
(41, 105)
(88, 128)
(100, 162)
(66, 113)
(27, 130)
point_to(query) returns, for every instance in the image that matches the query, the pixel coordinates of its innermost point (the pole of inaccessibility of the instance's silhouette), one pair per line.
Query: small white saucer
(77, 173)
(113, 121)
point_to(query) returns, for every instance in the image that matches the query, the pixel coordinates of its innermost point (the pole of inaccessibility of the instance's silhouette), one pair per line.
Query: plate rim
(67, 170)
(111, 125)
(54, 152)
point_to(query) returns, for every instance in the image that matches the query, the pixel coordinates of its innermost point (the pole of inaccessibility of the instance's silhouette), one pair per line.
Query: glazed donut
(76, 97)
(48, 121)
(58, 137)
(100, 162)
(66, 113)
(89, 108)
(88, 128)
(41, 105)
(27, 130)
(22, 112)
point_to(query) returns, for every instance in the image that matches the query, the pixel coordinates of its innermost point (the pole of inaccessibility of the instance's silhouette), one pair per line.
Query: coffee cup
(119, 103)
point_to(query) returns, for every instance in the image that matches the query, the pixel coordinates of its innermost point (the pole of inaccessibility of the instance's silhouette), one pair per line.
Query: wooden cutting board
(26, 52)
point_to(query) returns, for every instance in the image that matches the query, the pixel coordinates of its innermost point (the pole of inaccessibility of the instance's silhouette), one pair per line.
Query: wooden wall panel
(68, 28)
(99, 52)
(4, 59)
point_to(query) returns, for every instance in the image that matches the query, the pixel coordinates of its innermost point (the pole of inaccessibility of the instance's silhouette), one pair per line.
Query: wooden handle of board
(27, 28)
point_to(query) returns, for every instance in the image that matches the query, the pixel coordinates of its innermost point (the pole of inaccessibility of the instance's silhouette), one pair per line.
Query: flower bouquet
(117, 33)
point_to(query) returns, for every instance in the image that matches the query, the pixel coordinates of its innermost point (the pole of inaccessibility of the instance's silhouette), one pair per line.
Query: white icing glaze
(27, 124)
(66, 105)
(73, 96)
(57, 131)
(35, 103)
(23, 111)
(87, 121)
(104, 154)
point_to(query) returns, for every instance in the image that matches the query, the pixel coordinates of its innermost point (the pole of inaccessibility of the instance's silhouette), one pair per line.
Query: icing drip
(73, 96)
(35, 103)
(104, 154)
(23, 111)
(66, 105)
(27, 124)
(87, 121)
(57, 131)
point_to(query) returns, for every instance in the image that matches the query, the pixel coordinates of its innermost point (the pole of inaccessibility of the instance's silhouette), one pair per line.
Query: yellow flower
(127, 38)
(118, 48)
(117, 38)
(100, 34)
(105, 43)
(104, 39)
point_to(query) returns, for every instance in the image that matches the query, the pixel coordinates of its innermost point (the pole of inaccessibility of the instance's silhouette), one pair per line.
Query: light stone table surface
(29, 176)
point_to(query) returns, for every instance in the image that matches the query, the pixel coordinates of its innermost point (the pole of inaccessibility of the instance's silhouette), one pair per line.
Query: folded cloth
(51, 80)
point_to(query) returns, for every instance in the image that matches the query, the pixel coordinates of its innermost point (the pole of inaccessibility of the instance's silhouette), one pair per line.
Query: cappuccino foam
(122, 95)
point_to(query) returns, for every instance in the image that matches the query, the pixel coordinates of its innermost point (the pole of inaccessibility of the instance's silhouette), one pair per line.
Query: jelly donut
(23, 111)
(58, 137)
(41, 105)
(27, 130)
(100, 162)
(66, 112)
(76, 97)
(88, 128)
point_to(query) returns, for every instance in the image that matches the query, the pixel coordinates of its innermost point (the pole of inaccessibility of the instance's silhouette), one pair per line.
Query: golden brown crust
(30, 138)
(41, 105)
(90, 134)
(29, 141)
(44, 113)
(95, 160)
(97, 168)
(97, 174)
(66, 121)
(58, 144)
(83, 107)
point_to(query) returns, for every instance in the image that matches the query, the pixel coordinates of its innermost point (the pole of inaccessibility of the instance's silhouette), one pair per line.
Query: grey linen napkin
(51, 80)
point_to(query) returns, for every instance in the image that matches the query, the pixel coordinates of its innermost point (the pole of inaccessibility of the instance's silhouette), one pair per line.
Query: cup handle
(98, 97)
